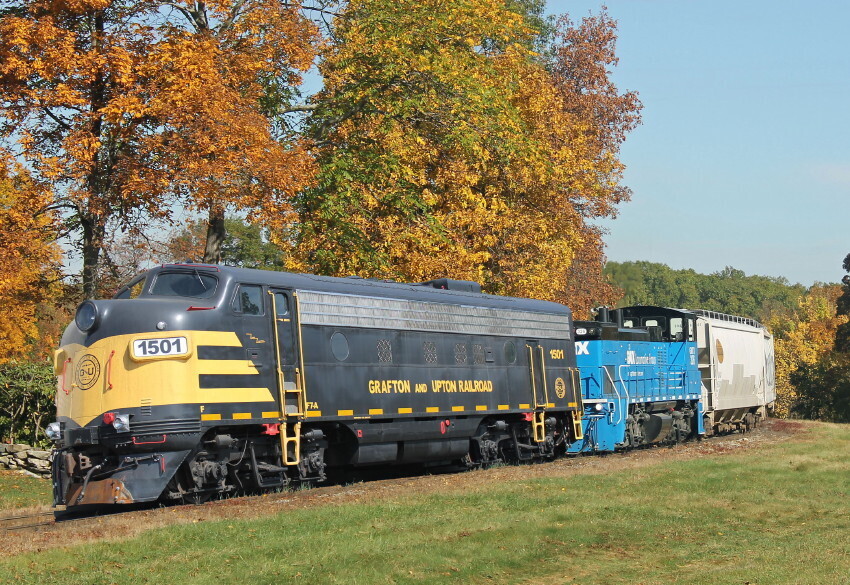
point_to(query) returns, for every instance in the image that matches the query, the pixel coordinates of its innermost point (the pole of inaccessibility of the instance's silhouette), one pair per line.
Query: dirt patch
(130, 524)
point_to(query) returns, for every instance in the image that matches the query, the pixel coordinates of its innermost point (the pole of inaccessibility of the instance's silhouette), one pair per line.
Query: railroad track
(24, 521)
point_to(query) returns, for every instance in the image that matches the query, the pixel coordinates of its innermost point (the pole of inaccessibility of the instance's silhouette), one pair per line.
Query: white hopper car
(737, 368)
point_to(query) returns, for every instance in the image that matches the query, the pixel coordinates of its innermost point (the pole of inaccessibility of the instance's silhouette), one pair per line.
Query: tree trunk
(215, 236)
(93, 231)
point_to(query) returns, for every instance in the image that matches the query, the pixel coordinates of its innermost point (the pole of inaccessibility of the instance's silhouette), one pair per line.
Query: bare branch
(303, 108)
(56, 119)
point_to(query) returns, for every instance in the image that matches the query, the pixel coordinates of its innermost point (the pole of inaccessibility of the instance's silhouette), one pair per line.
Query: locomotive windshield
(184, 284)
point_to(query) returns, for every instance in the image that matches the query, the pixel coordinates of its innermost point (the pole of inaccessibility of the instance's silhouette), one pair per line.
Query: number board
(159, 348)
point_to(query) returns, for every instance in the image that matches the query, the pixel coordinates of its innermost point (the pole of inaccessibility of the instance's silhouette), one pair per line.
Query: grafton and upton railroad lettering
(434, 386)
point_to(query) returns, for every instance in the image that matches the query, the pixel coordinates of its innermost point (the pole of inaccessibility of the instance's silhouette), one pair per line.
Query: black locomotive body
(196, 380)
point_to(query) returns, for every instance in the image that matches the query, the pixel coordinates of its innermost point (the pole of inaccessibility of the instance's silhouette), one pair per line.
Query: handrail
(617, 392)
(65, 375)
(109, 371)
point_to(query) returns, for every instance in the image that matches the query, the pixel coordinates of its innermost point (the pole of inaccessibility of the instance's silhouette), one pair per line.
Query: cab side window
(281, 303)
(248, 299)
(132, 290)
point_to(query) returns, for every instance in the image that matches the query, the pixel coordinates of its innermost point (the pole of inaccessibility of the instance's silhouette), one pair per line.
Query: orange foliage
(129, 106)
(28, 258)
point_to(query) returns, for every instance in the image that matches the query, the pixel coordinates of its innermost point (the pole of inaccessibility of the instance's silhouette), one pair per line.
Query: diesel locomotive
(197, 380)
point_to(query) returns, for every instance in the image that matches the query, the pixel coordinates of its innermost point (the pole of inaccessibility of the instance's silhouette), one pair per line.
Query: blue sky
(743, 157)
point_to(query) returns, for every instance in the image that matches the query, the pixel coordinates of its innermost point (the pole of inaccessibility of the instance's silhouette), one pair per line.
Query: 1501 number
(169, 346)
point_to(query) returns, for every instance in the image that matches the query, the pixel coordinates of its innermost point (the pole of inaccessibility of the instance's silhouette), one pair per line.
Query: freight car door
(286, 353)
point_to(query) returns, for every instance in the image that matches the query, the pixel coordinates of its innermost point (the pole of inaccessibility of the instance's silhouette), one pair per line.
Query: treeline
(810, 325)
(727, 291)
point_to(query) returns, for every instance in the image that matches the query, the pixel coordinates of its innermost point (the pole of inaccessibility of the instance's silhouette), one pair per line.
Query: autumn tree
(131, 107)
(586, 286)
(245, 244)
(842, 336)
(822, 382)
(802, 345)
(28, 258)
(446, 148)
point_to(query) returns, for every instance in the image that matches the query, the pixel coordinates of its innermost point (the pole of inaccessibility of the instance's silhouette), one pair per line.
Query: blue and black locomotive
(196, 380)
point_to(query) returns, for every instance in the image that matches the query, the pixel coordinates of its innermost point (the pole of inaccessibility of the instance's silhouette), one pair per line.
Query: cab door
(285, 335)
(539, 398)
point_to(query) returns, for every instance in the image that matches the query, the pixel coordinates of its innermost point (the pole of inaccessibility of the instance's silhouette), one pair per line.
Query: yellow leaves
(27, 257)
(461, 157)
(805, 338)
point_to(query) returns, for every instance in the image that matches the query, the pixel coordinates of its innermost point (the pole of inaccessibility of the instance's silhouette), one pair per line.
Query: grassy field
(19, 491)
(773, 515)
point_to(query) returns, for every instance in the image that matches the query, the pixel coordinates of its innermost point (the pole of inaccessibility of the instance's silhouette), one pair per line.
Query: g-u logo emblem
(88, 371)
(582, 348)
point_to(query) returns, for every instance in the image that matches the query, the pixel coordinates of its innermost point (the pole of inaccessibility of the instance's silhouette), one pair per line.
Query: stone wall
(25, 458)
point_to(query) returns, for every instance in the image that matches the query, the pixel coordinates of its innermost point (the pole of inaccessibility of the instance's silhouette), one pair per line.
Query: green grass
(21, 491)
(769, 516)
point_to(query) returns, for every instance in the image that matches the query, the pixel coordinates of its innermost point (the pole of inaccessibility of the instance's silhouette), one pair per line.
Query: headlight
(598, 406)
(86, 317)
(122, 423)
(53, 431)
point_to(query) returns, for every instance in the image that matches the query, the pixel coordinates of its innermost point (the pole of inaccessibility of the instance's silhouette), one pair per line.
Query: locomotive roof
(368, 288)
(653, 310)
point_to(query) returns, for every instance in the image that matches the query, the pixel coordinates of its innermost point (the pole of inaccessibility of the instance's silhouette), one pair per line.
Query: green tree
(27, 390)
(245, 244)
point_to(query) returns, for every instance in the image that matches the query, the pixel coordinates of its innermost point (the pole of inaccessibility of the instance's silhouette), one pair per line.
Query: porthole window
(339, 346)
(510, 352)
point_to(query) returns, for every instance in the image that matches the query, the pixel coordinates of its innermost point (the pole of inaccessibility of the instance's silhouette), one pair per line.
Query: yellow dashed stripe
(271, 414)
(432, 409)
(210, 417)
(525, 406)
(241, 415)
(504, 407)
(572, 404)
(550, 405)
(314, 413)
(376, 411)
(345, 413)
(480, 407)
(405, 410)
(457, 409)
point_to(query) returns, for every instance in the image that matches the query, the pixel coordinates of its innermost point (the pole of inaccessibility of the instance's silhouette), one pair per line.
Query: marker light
(122, 423)
(598, 406)
(53, 431)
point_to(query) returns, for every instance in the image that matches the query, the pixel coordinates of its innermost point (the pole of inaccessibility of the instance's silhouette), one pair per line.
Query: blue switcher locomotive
(640, 385)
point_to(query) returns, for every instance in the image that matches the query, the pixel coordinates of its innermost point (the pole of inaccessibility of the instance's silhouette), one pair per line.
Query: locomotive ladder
(290, 430)
(538, 421)
(578, 431)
